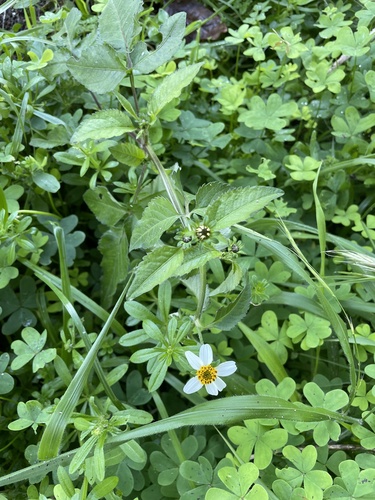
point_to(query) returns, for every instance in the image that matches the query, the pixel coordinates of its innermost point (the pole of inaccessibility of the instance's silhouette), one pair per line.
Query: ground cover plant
(187, 252)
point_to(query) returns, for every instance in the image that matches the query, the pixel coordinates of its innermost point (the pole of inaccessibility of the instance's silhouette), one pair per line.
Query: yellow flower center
(207, 374)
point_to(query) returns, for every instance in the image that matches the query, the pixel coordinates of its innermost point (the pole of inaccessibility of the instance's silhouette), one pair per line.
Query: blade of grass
(78, 296)
(320, 286)
(216, 412)
(52, 436)
(266, 355)
(321, 224)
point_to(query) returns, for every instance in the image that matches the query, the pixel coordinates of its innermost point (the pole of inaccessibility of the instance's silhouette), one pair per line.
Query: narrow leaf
(238, 204)
(155, 268)
(158, 216)
(113, 246)
(228, 316)
(103, 125)
(216, 412)
(52, 436)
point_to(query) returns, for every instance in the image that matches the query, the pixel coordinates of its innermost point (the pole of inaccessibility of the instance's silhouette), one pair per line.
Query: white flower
(206, 374)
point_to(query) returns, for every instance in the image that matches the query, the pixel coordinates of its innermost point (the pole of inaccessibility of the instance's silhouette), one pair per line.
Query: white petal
(193, 360)
(205, 353)
(220, 384)
(212, 389)
(227, 368)
(193, 385)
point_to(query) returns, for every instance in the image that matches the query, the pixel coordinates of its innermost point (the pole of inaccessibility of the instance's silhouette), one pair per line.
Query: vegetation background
(168, 183)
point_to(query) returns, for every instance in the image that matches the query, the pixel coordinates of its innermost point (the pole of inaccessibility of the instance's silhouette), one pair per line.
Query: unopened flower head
(206, 374)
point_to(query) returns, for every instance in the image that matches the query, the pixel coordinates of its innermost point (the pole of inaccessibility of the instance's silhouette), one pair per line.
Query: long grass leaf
(216, 412)
(52, 436)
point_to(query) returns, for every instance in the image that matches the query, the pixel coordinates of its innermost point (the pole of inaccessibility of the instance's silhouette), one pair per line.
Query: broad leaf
(173, 30)
(103, 205)
(98, 69)
(103, 125)
(129, 154)
(157, 218)
(155, 268)
(208, 193)
(171, 87)
(196, 257)
(238, 204)
(118, 24)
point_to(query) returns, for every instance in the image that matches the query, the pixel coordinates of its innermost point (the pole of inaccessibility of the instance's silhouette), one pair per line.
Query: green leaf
(118, 23)
(32, 348)
(172, 30)
(194, 258)
(129, 154)
(158, 216)
(239, 482)
(156, 267)
(99, 68)
(54, 431)
(238, 204)
(103, 125)
(46, 181)
(104, 488)
(6, 380)
(208, 193)
(353, 44)
(104, 206)
(113, 246)
(171, 87)
(228, 316)
(216, 412)
(273, 114)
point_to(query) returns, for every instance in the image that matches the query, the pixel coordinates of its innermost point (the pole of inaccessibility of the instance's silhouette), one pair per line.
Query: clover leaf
(239, 483)
(353, 483)
(258, 439)
(31, 414)
(332, 400)
(32, 348)
(273, 114)
(6, 380)
(314, 481)
(309, 330)
(277, 337)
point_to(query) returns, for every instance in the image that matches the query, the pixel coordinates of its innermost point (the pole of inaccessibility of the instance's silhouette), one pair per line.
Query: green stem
(171, 433)
(166, 181)
(201, 298)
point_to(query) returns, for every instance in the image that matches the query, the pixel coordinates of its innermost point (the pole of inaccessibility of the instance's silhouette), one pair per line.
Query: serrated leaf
(171, 87)
(208, 193)
(103, 205)
(238, 204)
(173, 30)
(118, 25)
(228, 316)
(113, 246)
(158, 216)
(98, 69)
(103, 125)
(129, 154)
(196, 257)
(156, 267)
